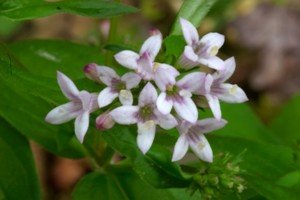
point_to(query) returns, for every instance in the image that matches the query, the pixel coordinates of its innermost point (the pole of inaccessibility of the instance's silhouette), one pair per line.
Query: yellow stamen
(214, 50)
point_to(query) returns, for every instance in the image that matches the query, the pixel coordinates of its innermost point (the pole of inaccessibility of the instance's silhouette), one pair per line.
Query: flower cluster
(166, 97)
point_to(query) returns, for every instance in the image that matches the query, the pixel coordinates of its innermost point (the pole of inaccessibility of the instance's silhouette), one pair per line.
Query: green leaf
(91, 8)
(124, 186)
(194, 11)
(18, 178)
(155, 167)
(174, 45)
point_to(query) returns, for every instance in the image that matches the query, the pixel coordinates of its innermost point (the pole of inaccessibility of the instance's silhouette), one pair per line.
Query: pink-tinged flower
(117, 86)
(81, 105)
(178, 94)
(192, 135)
(214, 88)
(104, 121)
(142, 63)
(92, 72)
(146, 116)
(201, 51)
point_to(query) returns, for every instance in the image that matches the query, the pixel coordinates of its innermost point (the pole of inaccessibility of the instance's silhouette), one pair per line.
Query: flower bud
(91, 72)
(104, 121)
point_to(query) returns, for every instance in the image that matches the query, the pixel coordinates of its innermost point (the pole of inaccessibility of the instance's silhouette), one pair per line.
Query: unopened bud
(154, 31)
(104, 121)
(91, 72)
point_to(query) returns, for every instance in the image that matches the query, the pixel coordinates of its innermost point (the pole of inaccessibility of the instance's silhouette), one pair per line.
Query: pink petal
(125, 114)
(107, 75)
(233, 94)
(67, 86)
(81, 125)
(214, 105)
(86, 100)
(188, 59)
(192, 81)
(213, 40)
(146, 133)
(127, 59)
(187, 109)
(148, 95)
(190, 33)
(207, 84)
(125, 97)
(131, 80)
(144, 67)
(181, 148)
(226, 73)
(152, 45)
(202, 148)
(167, 121)
(163, 104)
(63, 113)
(213, 62)
(106, 96)
(165, 75)
(210, 124)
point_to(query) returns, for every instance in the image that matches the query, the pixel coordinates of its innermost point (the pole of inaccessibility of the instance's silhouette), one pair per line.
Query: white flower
(142, 63)
(192, 135)
(214, 88)
(146, 116)
(117, 86)
(201, 51)
(177, 94)
(81, 105)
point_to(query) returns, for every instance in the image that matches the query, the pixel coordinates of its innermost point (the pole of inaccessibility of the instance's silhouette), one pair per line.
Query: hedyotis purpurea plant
(156, 95)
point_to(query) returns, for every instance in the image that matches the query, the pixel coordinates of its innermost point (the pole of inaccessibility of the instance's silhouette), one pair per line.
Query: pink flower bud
(104, 121)
(91, 72)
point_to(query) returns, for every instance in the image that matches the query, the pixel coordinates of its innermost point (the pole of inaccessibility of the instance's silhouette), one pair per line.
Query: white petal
(192, 81)
(126, 97)
(131, 80)
(148, 95)
(214, 105)
(163, 104)
(167, 121)
(107, 74)
(213, 62)
(152, 45)
(127, 59)
(86, 100)
(165, 75)
(213, 40)
(210, 124)
(202, 149)
(67, 86)
(125, 114)
(233, 94)
(190, 33)
(146, 133)
(186, 109)
(63, 113)
(81, 125)
(144, 67)
(106, 96)
(226, 73)
(180, 149)
(189, 58)
(207, 84)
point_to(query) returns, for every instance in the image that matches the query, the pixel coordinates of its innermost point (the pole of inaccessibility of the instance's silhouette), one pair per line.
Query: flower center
(118, 85)
(146, 113)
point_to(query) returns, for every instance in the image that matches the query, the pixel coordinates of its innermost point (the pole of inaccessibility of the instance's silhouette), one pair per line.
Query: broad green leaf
(91, 8)
(18, 178)
(124, 186)
(155, 167)
(291, 179)
(174, 45)
(286, 125)
(194, 11)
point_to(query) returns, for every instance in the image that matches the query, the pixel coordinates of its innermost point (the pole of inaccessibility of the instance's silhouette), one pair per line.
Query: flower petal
(213, 40)
(127, 59)
(125, 114)
(233, 94)
(164, 75)
(152, 45)
(82, 125)
(180, 149)
(202, 148)
(126, 97)
(106, 96)
(192, 81)
(107, 75)
(226, 73)
(187, 109)
(146, 133)
(210, 124)
(63, 113)
(148, 95)
(131, 80)
(67, 86)
(163, 104)
(213, 62)
(86, 100)
(188, 58)
(190, 33)
(167, 121)
(144, 67)
(214, 105)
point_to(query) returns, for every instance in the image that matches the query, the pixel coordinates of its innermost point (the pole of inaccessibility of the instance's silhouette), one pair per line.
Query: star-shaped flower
(81, 105)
